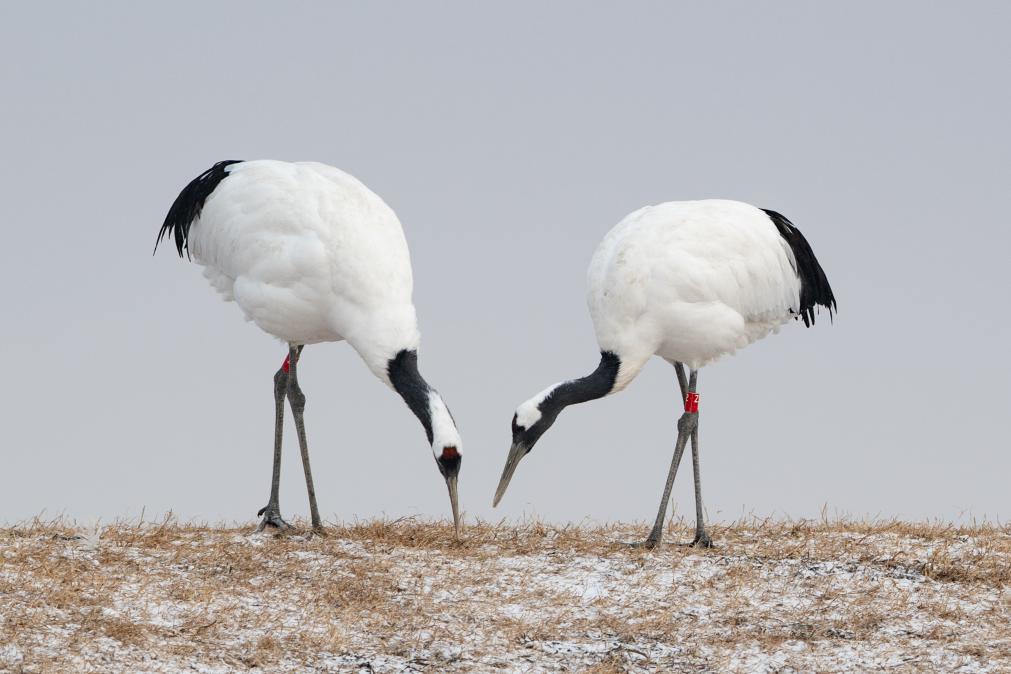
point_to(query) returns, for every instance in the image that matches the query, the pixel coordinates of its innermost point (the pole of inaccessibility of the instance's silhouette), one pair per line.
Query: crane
(311, 255)
(689, 281)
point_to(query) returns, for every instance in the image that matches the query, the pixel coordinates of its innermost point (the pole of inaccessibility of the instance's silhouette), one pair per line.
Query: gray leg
(297, 401)
(679, 369)
(272, 511)
(686, 427)
(701, 537)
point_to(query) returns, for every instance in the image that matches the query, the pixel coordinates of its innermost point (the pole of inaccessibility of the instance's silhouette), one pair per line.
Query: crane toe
(271, 518)
(701, 540)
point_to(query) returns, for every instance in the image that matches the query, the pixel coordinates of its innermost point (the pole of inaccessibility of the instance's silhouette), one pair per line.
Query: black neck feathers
(595, 385)
(814, 287)
(412, 387)
(187, 206)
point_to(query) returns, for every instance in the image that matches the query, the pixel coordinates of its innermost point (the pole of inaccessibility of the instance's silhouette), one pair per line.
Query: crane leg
(272, 511)
(297, 401)
(701, 539)
(687, 428)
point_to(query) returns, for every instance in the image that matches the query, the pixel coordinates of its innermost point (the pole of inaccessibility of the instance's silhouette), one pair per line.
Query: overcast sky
(509, 140)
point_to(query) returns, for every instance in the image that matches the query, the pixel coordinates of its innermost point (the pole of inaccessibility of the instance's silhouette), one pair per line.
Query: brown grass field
(402, 596)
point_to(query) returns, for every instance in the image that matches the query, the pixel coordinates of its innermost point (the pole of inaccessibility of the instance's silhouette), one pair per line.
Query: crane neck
(595, 385)
(423, 400)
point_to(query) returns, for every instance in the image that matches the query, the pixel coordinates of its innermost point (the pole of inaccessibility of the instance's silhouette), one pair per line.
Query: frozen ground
(403, 597)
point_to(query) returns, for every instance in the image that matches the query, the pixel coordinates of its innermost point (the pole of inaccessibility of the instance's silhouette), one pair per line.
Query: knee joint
(281, 381)
(296, 398)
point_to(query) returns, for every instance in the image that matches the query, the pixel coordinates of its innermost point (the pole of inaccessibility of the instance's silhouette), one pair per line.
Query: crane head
(449, 461)
(529, 423)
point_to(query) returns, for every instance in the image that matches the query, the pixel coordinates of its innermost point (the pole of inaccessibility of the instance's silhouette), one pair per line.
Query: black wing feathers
(189, 203)
(814, 287)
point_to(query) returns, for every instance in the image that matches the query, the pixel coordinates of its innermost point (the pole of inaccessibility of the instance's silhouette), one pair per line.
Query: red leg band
(284, 365)
(692, 403)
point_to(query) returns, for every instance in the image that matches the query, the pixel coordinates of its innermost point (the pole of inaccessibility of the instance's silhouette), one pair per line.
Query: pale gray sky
(509, 139)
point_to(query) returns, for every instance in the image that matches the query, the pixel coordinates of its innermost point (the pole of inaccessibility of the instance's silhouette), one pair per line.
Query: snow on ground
(404, 597)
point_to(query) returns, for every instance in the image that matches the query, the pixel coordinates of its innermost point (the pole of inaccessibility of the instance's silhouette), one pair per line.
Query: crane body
(311, 255)
(689, 282)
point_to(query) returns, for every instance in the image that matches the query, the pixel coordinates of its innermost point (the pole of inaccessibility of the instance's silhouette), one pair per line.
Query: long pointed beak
(516, 452)
(454, 501)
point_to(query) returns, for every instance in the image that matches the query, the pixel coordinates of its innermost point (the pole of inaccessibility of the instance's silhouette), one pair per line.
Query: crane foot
(701, 540)
(271, 518)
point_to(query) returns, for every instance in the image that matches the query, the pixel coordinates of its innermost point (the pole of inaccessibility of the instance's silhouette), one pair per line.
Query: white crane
(311, 255)
(689, 281)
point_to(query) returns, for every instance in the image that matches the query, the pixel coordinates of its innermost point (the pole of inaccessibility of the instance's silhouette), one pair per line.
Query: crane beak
(454, 501)
(516, 452)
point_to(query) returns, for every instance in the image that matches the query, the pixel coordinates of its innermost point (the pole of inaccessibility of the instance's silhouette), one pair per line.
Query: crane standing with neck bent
(311, 255)
(690, 282)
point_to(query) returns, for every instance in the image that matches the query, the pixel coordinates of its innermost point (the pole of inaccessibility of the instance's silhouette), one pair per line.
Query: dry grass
(403, 596)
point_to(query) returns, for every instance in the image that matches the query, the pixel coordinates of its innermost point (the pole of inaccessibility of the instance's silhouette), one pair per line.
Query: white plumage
(688, 281)
(310, 254)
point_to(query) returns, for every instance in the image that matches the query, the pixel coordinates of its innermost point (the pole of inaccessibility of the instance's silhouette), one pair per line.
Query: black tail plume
(189, 203)
(814, 287)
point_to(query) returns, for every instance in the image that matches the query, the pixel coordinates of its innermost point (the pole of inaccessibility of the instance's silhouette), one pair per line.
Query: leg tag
(692, 403)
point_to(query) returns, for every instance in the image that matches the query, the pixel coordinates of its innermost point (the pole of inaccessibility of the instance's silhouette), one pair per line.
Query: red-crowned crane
(688, 281)
(311, 255)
